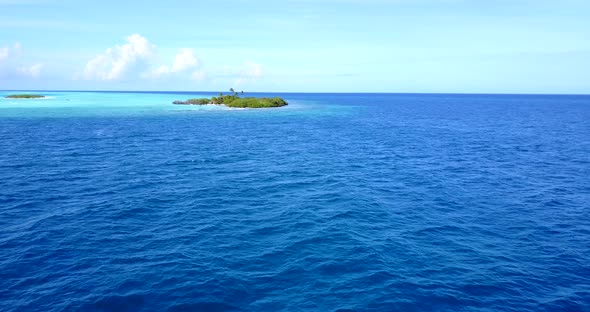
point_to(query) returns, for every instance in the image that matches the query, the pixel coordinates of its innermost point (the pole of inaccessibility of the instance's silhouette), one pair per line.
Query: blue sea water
(114, 201)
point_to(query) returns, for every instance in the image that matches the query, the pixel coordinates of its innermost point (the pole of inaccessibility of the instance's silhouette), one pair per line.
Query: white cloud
(199, 75)
(33, 71)
(120, 61)
(184, 60)
(11, 65)
(4, 53)
(160, 71)
(249, 72)
(136, 58)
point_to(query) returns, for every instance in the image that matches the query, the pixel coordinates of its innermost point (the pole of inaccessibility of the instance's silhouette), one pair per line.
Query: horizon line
(298, 92)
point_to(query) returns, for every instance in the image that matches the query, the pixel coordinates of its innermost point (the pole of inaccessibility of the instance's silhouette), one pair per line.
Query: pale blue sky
(500, 46)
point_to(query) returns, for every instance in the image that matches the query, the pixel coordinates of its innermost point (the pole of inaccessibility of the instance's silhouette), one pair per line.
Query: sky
(431, 46)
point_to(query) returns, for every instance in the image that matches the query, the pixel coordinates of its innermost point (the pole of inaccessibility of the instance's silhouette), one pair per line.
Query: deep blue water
(337, 202)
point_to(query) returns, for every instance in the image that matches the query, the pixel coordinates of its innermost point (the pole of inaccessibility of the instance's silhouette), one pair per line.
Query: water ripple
(339, 203)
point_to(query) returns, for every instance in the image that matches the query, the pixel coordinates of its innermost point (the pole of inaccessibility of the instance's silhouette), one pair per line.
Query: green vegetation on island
(234, 100)
(193, 102)
(25, 96)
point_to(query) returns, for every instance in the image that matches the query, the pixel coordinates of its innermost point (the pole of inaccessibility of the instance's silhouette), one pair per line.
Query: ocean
(121, 201)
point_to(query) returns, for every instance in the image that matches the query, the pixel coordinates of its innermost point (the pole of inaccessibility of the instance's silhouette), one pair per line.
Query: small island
(234, 100)
(25, 96)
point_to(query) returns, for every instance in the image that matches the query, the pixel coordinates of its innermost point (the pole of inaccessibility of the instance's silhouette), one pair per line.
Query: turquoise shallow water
(113, 104)
(337, 202)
